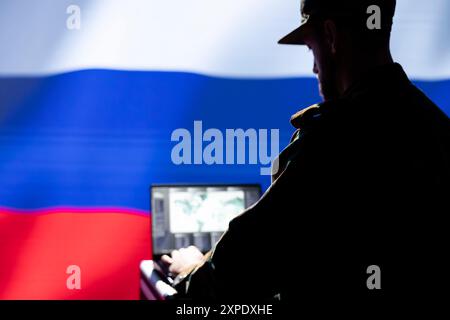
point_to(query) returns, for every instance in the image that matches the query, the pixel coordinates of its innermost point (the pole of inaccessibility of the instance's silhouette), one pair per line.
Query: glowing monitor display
(203, 210)
(196, 215)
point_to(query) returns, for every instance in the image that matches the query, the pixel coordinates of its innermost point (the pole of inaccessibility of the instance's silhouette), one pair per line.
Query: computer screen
(196, 215)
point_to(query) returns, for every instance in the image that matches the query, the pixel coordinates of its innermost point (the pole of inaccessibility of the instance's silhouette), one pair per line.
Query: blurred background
(91, 91)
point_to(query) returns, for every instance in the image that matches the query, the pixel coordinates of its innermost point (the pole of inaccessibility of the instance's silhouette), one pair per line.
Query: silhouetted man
(357, 208)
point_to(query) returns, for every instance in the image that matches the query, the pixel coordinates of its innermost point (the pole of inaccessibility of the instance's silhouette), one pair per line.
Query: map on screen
(204, 210)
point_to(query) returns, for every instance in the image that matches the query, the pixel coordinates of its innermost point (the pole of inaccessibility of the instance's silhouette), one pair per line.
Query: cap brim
(295, 37)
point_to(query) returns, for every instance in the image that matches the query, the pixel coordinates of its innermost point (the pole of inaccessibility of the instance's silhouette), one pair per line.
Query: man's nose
(315, 70)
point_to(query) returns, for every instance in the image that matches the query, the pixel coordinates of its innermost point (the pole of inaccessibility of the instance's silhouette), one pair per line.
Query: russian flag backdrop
(87, 113)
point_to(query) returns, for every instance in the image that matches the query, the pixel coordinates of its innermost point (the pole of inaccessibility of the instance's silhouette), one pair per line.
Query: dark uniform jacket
(364, 182)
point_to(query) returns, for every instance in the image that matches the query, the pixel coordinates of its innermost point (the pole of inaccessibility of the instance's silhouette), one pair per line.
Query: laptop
(198, 215)
(185, 215)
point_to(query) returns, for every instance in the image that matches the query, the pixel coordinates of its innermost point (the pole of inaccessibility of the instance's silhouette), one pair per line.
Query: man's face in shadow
(325, 66)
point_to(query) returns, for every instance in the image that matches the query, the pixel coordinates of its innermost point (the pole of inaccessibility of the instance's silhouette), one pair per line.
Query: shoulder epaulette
(304, 117)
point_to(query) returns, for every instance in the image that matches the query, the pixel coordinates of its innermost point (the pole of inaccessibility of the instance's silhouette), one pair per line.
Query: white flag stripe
(231, 38)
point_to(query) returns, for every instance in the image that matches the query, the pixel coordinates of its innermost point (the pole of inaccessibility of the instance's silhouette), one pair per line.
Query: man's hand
(183, 260)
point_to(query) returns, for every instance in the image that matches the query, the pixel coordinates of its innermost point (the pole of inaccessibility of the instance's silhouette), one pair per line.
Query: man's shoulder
(306, 116)
(322, 115)
(419, 105)
(370, 116)
(303, 117)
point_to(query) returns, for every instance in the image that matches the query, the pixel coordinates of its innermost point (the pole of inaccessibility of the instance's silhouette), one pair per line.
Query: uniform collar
(386, 77)
(303, 117)
(383, 78)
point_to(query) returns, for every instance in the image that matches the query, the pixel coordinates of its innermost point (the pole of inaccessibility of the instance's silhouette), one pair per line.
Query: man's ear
(331, 35)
